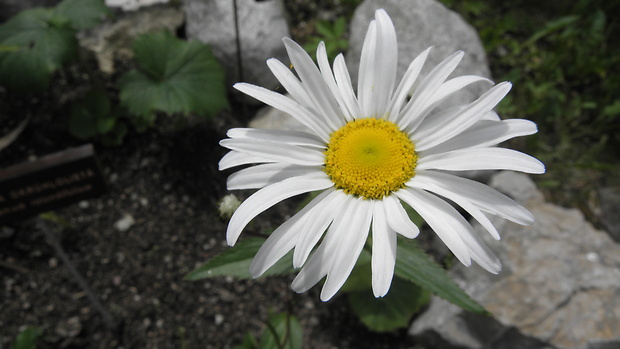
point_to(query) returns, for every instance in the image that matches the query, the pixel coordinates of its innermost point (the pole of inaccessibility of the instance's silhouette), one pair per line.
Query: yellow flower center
(370, 158)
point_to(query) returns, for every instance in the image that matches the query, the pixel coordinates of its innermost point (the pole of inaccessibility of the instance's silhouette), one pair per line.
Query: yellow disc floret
(370, 158)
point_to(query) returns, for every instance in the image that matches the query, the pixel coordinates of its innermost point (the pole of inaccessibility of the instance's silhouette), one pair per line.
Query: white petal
(398, 219)
(481, 159)
(457, 229)
(315, 86)
(320, 218)
(259, 176)
(283, 239)
(328, 76)
(410, 116)
(491, 116)
(314, 270)
(383, 251)
(429, 183)
(351, 238)
(483, 196)
(276, 151)
(365, 77)
(321, 260)
(235, 158)
(410, 77)
(435, 213)
(283, 136)
(454, 85)
(385, 63)
(484, 133)
(269, 196)
(288, 106)
(437, 130)
(289, 81)
(343, 79)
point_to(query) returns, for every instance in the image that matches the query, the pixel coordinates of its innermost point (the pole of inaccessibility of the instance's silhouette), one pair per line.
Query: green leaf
(249, 342)
(27, 338)
(236, 261)
(41, 45)
(416, 266)
(90, 116)
(83, 14)
(391, 312)
(174, 76)
(287, 330)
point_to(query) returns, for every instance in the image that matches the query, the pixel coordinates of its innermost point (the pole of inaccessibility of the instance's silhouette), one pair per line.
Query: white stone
(124, 223)
(132, 5)
(262, 25)
(113, 40)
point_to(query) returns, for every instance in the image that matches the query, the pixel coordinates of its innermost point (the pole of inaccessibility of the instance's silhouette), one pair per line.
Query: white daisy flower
(369, 154)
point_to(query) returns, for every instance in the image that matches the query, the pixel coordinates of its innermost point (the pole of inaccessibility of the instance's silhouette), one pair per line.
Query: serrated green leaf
(27, 339)
(174, 77)
(287, 330)
(236, 261)
(416, 266)
(391, 312)
(41, 45)
(83, 14)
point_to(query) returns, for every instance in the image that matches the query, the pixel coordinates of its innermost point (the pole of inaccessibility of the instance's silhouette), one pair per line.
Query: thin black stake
(238, 41)
(51, 239)
(239, 55)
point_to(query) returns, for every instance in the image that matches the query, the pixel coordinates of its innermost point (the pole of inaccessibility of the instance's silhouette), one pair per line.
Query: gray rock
(114, 39)
(262, 26)
(609, 198)
(559, 288)
(420, 24)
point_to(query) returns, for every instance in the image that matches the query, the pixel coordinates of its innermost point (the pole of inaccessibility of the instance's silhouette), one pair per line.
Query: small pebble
(124, 223)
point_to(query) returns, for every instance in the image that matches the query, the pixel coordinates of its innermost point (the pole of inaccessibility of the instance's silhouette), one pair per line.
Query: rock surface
(113, 40)
(420, 24)
(559, 287)
(262, 26)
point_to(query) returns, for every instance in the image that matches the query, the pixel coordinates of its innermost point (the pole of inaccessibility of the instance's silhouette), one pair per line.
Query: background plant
(561, 57)
(38, 42)
(333, 34)
(172, 76)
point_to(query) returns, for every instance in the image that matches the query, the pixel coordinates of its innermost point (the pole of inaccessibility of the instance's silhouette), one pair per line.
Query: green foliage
(392, 312)
(27, 339)
(416, 266)
(94, 117)
(83, 14)
(283, 332)
(236, 262)
(174, 76)
(43, 44)
(37, 42)
(561, 57)
(334, 36)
